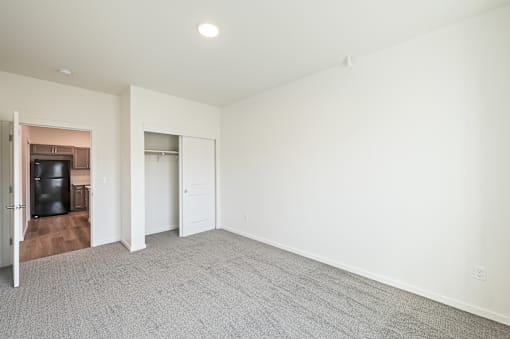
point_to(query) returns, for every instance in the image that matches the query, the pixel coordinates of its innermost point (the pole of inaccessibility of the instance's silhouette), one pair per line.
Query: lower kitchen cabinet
(79, 201)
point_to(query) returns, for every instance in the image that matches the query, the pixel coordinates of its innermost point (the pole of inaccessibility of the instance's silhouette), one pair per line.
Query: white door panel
(198, 185)
(15, 203)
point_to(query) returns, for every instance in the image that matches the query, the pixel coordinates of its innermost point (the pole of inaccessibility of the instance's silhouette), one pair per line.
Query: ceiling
(109, 44)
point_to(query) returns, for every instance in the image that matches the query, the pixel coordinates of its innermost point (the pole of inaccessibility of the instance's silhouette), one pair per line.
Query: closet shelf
(153, 151)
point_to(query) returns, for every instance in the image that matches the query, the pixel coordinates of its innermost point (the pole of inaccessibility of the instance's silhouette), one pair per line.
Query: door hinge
(10, 241)
(10, 137)
(10, 189)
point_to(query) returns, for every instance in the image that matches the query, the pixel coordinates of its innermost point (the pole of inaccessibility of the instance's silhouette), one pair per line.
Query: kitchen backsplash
(80, 177)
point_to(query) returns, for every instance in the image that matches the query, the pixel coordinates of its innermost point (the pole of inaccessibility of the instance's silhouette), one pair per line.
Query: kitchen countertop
(86, 185)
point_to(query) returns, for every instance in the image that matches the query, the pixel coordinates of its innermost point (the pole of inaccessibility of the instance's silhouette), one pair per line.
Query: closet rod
(161, 152)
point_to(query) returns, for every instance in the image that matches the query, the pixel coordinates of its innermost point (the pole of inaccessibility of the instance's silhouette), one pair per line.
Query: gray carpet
(215, 285)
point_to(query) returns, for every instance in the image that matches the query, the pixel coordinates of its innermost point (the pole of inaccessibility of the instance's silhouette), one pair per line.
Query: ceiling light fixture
(208, 30)
(65, 71)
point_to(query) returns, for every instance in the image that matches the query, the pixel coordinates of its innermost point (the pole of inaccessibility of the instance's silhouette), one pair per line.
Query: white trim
(217, 197)
(128, 246)
(163, 229)
(16, 196)
(180, 186)
(38, 122)
(106, 241)
(136, 249)
(28, 203)
(383, 279)
(25, 229)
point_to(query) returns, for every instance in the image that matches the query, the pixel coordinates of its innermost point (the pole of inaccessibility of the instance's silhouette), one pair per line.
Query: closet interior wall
(161, 182)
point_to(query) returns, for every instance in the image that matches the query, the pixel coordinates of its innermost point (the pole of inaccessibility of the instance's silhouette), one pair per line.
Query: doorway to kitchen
(56, 191)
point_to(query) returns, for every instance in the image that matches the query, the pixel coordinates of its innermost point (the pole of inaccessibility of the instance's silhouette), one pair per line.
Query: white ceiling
(154, 44)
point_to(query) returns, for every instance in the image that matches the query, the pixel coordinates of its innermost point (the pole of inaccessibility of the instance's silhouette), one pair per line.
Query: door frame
(38, 122)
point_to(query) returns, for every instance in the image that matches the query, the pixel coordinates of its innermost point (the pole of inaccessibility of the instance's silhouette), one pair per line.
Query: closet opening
(161, 183)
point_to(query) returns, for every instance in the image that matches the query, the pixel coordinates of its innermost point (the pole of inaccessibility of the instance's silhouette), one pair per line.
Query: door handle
(12, 207)
(37, 179)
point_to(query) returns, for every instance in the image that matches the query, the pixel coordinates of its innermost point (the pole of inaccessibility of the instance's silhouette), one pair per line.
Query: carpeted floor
(215, 284)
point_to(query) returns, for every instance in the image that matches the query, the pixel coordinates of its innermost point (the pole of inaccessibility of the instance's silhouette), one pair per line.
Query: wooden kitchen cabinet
(51, 149)
(81, 158)
(64, 150)
(42, 149)
(87, 197)
(79, 197)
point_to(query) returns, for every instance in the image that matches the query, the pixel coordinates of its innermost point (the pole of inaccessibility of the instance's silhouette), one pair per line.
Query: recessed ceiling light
(65, 71)
(208, 30)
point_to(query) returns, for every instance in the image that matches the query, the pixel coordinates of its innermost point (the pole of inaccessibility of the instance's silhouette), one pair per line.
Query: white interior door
(198, 187)
(15, 205)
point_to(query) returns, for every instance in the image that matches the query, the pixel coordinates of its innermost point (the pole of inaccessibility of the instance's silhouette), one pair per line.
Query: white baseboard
(104, 242)
(383, 279)
(126, 244)
(136, 249)
(163, 229)
(130, 248)
(25, 229)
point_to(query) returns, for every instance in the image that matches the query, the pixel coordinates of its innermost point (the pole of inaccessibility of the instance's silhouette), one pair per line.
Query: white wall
(50, 104)
(397, 169)
(125, 169)
(58, 136)
(160, 113)
(161, 142)
(25, 178)
(161, 193)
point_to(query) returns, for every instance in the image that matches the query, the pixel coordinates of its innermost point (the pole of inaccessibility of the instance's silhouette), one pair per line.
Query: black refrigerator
(50, 187)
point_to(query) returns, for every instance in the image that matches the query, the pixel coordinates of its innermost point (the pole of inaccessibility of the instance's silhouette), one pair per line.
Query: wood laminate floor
(54, 235)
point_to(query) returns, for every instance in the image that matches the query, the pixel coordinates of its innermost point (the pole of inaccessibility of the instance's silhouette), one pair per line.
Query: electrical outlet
(480, 273)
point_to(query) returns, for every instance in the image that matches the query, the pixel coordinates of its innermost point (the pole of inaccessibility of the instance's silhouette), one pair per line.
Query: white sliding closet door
(198, 185)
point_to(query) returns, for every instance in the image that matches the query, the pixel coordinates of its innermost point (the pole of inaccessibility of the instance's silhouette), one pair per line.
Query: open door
(198, 185)
(15, 197)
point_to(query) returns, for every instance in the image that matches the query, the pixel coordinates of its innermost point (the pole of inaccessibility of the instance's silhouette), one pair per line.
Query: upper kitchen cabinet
(41, 149)
(81, 155)
(64, 150)
(81, 158)
(51, 149)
